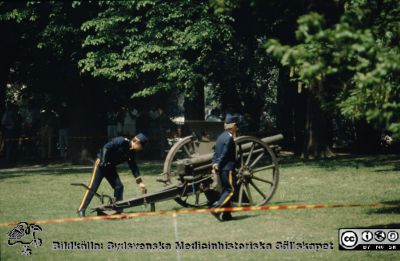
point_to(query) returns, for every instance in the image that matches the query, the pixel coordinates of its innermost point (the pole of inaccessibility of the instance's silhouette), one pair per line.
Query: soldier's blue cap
(142, 138)
(231, 119)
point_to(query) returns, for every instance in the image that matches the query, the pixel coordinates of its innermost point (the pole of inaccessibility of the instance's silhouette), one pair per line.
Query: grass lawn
(39, 195)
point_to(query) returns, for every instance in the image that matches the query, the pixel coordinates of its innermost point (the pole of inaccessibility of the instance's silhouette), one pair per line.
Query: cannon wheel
(257, 178)
(185, 148)
(258, 175)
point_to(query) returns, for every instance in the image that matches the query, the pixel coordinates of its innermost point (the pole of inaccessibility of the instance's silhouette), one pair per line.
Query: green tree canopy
(353, 65)
(154, 45)
(43, 45)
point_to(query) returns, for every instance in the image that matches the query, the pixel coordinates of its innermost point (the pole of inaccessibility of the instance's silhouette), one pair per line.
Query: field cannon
(187, 174)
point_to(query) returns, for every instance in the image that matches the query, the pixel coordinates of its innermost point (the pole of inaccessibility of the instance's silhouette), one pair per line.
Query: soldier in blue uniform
(224, 163)
(115, 152)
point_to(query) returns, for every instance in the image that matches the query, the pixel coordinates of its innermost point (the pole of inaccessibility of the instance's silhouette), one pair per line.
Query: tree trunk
(299, 118)
(291, 113)
(3, 86)
(316, 140)
(6, 52)
(284, 116)
(194, 107)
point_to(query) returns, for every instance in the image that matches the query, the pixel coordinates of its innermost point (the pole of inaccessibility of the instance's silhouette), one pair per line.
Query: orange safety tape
(188, 211)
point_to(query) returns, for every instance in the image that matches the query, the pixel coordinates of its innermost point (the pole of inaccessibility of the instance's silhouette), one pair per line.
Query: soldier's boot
(215, 214)
(81, 213)
(226, 216)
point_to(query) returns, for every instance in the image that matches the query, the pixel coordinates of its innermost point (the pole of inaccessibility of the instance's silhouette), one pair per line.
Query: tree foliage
(43, 44)
(154, 45)
(345, 52)
(352, 65)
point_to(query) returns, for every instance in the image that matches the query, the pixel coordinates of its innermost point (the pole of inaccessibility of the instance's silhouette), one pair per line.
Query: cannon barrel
(272, 139)
(204, 161)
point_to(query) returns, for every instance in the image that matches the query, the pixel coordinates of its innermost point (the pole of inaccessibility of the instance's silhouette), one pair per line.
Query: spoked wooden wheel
(258, 174)
(186, 148)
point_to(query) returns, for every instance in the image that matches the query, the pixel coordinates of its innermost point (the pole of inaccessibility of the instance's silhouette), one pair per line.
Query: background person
(63, 126)
(165, 127)
(47, 129)
(112, 124)
(214, 115)
(9, 125)
(129, 126)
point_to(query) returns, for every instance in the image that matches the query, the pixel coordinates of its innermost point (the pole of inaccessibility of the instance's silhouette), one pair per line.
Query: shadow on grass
(147, 169)
(22, 173)
(392, 208)
(390, 225)
(395, 168)
(387, 162)
(283, 202)
(241, 217)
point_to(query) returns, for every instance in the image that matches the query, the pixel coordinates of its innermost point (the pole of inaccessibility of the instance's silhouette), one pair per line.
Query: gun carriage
(187, 174)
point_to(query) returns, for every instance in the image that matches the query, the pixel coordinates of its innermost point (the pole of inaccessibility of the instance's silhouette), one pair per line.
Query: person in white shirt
(130, 116)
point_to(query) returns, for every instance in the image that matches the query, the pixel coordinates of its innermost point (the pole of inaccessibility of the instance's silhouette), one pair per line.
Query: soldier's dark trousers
(99, 172)
(228, 181)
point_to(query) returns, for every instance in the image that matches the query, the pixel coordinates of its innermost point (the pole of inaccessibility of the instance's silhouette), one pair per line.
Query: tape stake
(175, 221)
